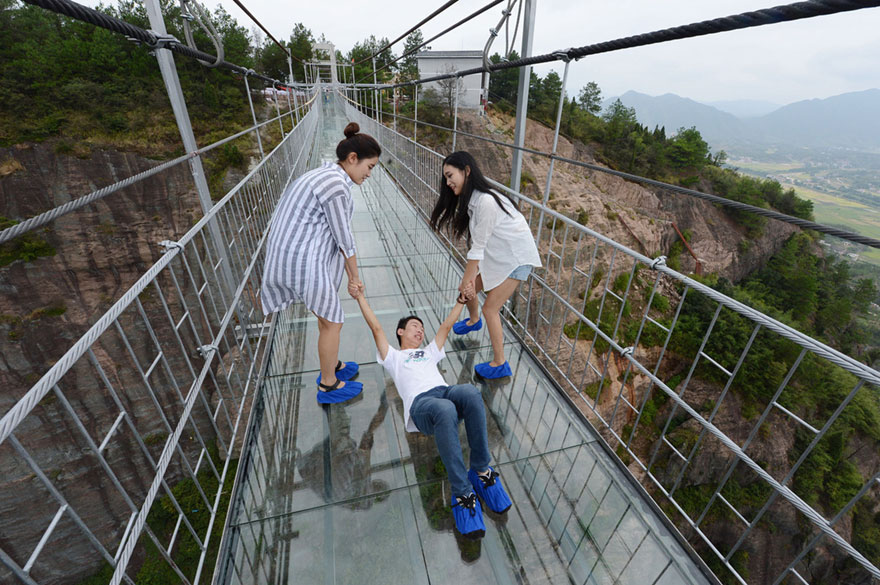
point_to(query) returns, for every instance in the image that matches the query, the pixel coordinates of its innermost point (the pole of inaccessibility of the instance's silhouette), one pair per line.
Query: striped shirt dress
(309, 239)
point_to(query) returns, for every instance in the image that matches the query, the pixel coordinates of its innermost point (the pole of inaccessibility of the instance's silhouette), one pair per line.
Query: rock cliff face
(46, 304)
(645, 220)
(626, 212)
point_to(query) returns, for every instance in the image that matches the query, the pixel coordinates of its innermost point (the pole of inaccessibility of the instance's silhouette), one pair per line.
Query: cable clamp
(627, 351)
(658, 261)
(563, 55)
(170, 245)
(493, 32)
(162, 41)
(205, 350)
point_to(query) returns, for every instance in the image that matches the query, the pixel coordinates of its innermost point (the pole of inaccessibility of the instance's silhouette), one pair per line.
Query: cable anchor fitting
(171, 245)
(563, 55)
(658, 261)
(205, 350)
(162, 41)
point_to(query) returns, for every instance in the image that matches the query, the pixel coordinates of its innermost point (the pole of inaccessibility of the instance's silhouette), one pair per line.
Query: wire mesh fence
(726, 416)
(125, 447)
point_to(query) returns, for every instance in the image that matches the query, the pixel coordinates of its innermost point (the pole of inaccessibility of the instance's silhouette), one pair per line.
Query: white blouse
(501, 242)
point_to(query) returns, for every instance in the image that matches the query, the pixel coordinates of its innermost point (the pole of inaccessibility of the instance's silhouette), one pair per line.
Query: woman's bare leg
(328, 350)
(495, 299)
(473, 305)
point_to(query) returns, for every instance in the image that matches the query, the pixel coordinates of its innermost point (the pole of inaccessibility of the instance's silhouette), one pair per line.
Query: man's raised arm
(373, 324)
(446, 326)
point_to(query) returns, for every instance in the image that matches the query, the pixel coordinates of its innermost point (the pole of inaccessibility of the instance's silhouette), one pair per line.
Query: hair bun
(351, 129)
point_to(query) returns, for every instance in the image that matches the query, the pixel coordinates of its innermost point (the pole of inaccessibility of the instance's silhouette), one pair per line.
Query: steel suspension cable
(265, 30)
(802, 223)
(784, 13)
(137, 34)
(424, 20)
(438, 35)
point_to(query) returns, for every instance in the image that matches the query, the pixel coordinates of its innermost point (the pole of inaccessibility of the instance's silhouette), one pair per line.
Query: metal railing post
(247, 87)
(278, 110)
(553, 152)
(416, 116)
(181, 115)
(455, 115)
(522, 95)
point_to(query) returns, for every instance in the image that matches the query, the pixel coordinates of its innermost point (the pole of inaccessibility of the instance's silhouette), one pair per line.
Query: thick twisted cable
(802, 223)
(437, 36)
(91, 16)
(773, 15)
(414, 27)
(44, 218)
(48, 216)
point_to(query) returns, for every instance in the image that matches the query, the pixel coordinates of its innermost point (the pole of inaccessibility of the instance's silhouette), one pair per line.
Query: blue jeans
(437, 412)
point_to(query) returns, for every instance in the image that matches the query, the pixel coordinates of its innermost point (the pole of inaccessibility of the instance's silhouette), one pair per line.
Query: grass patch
(26, 247)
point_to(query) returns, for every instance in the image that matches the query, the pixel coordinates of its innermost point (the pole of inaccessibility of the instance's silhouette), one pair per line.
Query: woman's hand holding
(466, 288)
(355, 288)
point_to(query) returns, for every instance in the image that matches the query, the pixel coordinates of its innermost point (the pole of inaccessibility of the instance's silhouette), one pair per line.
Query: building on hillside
(433, 63)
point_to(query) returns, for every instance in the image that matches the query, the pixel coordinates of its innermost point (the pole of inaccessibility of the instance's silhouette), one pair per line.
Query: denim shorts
(521, 272)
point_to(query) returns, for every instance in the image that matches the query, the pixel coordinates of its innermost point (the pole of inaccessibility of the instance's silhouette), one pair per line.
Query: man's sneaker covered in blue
(462, 327)
(344, 371)
(491, 372)
(490, 490)
(468, 516)
(334, 394)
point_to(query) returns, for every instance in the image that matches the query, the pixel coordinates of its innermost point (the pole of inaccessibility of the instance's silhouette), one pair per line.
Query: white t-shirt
(501, 242)
(414, 371)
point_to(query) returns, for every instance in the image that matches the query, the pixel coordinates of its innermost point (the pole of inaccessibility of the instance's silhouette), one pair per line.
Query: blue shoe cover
(468, 516)
(486, 371)
(490, 491)
(347, 392)
(345, 373)
(462, 327)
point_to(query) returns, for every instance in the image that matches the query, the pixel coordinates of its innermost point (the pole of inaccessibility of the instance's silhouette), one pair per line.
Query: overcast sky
(782, 63)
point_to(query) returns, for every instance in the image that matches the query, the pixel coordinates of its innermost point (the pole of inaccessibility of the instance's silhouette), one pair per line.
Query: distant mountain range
(850, 120)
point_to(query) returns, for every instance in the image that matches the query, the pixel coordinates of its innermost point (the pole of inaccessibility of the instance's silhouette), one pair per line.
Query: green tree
(504, 84)
(590, 98)
(409, 66)
(688, 149)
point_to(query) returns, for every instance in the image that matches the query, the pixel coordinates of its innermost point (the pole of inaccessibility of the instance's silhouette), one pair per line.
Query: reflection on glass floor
(342, 494)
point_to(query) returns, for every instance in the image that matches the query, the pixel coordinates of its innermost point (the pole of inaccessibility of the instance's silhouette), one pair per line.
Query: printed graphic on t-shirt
(416, 356)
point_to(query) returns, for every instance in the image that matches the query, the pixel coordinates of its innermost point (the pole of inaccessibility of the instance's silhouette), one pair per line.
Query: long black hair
(451, 210)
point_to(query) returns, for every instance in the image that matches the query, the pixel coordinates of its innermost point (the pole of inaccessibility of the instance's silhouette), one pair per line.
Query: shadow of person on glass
(339, 468)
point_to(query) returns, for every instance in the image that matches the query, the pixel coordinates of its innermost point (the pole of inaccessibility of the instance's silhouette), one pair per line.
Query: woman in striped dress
(310, 244)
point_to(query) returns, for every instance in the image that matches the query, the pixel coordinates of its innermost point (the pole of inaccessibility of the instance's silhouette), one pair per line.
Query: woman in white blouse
(502, 249)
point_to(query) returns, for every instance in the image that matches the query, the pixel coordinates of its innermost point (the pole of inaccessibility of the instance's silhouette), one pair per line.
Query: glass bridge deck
(342, 494)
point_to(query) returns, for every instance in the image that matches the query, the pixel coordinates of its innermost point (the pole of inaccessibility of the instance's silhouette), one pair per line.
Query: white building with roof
(433, 63)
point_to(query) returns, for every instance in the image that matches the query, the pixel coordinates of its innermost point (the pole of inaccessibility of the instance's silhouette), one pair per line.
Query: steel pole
(522, 95)
(553, 152)
(455, 116)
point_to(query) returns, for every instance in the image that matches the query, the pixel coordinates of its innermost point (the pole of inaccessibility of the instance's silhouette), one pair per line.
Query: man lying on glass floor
(433, 407)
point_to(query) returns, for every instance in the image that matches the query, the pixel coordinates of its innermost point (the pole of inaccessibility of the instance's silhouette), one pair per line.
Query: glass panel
(343, 494)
